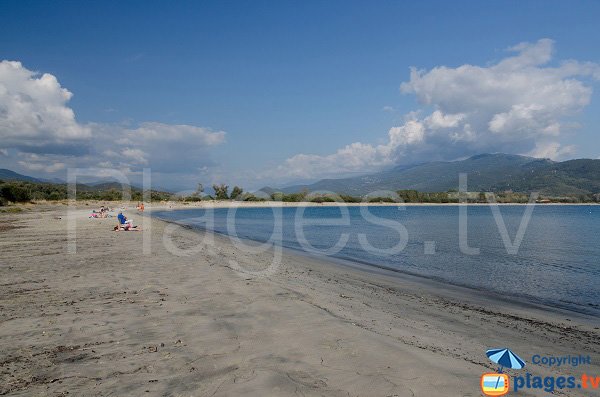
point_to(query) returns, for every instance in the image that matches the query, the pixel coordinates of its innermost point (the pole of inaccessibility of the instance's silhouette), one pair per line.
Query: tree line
(23, 191)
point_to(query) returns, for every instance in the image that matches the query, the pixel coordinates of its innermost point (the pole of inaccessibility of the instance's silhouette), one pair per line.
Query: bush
(350, 199)
(12, 210)
(56, 196)
(382, 200)
(15, 193)
(236, 192)
(193, 198)
(277, 196)
(251, 197)
(322, 199)
(221, 191)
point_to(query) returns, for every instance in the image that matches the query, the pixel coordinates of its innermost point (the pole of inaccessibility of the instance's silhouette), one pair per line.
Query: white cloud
(37, 123)
(352, 157)
(53, 167)
(105, 164)
(412, 132)
(136, 155)
(551, 150)
(166, 148)
(33, 109)
(513, 106)
(176, 133)
(439, 120)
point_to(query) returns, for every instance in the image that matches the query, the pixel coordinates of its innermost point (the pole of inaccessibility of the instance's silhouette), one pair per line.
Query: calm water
(558, 262)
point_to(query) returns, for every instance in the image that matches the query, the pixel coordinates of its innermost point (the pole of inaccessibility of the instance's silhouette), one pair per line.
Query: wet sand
(110, 320)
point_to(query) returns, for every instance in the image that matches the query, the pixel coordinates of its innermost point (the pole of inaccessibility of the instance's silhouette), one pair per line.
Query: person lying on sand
(103, 212)
(126, 228)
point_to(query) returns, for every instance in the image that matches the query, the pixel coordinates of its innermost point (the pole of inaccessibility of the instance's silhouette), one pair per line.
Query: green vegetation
(21, 191)
(414, 196)
(236, 192)
(221, 192)
(251, 197)
(11, 210)
(573, 180)
(26, 191)
(305, 196)
(291, 197)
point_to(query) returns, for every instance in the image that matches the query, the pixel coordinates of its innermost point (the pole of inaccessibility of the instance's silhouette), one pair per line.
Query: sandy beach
(111, 320)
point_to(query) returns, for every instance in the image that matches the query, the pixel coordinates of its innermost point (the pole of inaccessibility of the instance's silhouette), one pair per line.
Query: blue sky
(289, 84)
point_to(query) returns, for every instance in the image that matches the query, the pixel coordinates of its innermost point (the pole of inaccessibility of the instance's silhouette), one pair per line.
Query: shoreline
(279, 204)
(111, 320)
(572, 308)
(518, 301)
(216, 204)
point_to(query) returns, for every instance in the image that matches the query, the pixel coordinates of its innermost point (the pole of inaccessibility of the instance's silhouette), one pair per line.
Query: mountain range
(92, 185)
(485, 172)
(83, 183)
(8, 175)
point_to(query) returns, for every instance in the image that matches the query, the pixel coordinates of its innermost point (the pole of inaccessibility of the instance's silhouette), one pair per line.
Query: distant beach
(175, 205)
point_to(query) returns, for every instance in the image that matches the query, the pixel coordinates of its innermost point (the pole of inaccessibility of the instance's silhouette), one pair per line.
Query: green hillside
(8, 175)
(486, 172)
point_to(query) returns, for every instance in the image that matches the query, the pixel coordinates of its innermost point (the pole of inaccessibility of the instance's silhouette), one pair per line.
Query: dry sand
(111, 321)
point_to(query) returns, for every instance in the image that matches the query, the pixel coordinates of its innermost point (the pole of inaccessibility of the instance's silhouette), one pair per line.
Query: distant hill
(486, 172)
(87, 184)
(104, 186)
(267, 190)
(100, 185)
(8, 175)
(17, 188)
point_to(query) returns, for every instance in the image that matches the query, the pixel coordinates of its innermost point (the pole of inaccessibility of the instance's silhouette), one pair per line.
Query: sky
(279, 92)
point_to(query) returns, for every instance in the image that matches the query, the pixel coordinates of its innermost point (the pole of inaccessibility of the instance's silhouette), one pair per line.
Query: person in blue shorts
(123, 221)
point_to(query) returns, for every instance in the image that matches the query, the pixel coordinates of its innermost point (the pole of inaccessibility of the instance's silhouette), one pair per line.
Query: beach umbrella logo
(505, 358)
(498, 384)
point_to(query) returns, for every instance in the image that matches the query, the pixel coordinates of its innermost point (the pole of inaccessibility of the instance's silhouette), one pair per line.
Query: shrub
(382, 200)
(15, 192)
(236, 192)
(221, 191)
(12, 210)
(350, 199)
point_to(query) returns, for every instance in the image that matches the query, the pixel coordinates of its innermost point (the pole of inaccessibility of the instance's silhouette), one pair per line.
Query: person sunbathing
(126, 228)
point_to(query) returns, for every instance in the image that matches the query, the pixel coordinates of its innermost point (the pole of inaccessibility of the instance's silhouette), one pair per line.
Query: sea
(546, 254)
